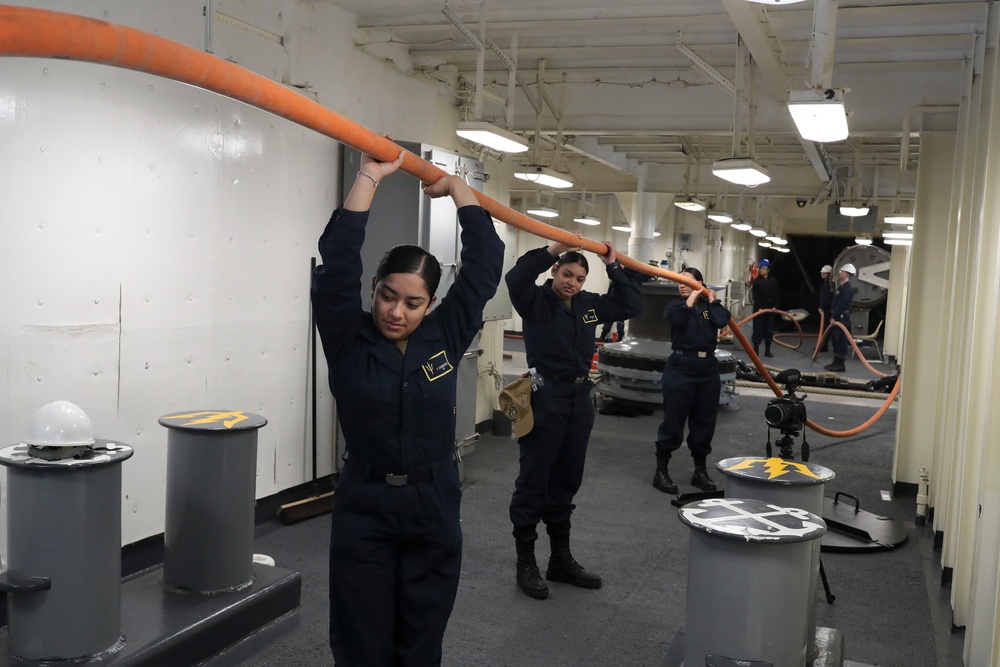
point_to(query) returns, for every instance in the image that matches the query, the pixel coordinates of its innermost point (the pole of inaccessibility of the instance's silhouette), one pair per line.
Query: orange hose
(39, 33)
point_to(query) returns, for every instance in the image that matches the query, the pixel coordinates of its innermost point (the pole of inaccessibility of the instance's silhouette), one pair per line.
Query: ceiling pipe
(904, 141)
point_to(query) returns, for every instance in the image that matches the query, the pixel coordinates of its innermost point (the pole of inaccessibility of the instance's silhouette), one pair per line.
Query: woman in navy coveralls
(396, 542)
(559, 321)
(691, 384)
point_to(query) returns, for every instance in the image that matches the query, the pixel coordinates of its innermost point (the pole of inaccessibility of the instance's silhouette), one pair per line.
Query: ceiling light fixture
(898, 235)
(543, 176)
(586, 220)
(776, 2)
(779, 241)
(853, 209)
(721, 217)
(742, 226)
(782, 249)
(897, 241)
(863, 240)
(655, 234)
(759, 232)
(690, 203)
(488, 134)
(741, 171)
(898, 219)
(764, 244)
(621, 228)
(774, 239)
(542, 211)
(819, 115)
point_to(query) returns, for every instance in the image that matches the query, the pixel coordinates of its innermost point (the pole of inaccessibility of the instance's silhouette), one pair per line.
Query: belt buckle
(702, 355)
(395, 480)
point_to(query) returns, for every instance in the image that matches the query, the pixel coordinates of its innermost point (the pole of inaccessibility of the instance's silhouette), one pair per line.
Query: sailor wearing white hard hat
(840, 310)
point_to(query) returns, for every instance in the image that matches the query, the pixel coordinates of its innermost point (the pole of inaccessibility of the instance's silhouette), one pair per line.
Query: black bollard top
(775, 471)
(752, 521)
(212, 420)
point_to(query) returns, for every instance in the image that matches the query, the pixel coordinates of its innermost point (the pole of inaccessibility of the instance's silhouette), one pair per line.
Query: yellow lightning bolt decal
(776, 467)
(228, 419)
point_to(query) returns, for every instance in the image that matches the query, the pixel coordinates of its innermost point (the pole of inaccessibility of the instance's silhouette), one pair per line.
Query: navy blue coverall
(840, 311)
(559, 344)
(765, 295)
(691, 383)
(396, 543)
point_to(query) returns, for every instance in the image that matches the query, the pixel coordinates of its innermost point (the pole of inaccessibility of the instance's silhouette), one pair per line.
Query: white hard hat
(60, 424)
(826, 269)
(849, 268)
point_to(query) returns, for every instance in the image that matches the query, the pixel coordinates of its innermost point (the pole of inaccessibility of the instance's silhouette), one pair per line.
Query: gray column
(63, 577)
(211, 483)
(749, 569)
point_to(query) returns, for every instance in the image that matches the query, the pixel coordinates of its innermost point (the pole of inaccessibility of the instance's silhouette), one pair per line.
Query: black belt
(439, 469)
(566, 378)
(701, 354)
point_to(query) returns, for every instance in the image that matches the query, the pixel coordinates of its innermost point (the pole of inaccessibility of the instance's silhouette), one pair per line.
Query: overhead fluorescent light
(759, 232)
(781, 249)
(776, 2)
(587, 220)
(543, 176)
(764, 244)
(819, 115)
(779, 241)
(492, 136)
(898, 219)
(774, 239)
(689, 203)
(742, 226)
(863, 240)
(741, 171)
(542, 211)
(621, 228)
(720, 216)
(655, 234)
(897, 235)
(853, 209)
(897, 241)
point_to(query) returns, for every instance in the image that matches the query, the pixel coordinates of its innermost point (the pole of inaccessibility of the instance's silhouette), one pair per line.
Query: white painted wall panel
(160, 239)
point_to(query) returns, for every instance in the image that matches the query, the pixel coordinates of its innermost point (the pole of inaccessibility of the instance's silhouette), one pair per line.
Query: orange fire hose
(39, 33)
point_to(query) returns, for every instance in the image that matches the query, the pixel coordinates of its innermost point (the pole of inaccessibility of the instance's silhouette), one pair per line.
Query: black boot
(529, 579)
(562, 567)
(767, 349)
(700, 479)
(837, 366)
(661, 478)
(756, 349)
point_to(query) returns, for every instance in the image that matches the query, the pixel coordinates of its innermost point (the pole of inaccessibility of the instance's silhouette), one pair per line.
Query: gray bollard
(63, 577)
(211, 484)
(748, 580)
(786, 484)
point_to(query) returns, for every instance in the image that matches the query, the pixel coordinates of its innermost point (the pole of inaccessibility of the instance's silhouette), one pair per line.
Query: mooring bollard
(787, 484)
(749, 567)
(63, 577)
(211, 484)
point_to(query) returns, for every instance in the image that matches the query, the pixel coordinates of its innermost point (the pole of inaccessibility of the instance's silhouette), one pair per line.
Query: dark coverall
(840, 310)
(691, 383)
(765, 295)
(825, 299)
(559, 344)
(396, 542)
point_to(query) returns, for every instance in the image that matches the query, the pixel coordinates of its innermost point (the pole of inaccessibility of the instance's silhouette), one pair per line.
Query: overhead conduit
(38, 33)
